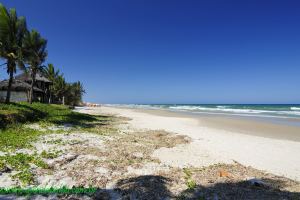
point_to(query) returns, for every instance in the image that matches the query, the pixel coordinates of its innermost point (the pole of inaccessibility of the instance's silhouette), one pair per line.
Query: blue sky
(168, 51)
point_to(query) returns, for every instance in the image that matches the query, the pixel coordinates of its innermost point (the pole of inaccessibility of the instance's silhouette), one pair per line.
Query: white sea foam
(245, 115)
(224, 109)
(143, 106)
(223, 106)
(295, 108)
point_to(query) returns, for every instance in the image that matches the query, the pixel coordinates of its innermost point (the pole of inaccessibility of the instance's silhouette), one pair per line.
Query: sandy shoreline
(247, 126)
(214, 142)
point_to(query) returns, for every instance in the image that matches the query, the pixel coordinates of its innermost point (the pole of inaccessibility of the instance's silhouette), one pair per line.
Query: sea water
(255, 110)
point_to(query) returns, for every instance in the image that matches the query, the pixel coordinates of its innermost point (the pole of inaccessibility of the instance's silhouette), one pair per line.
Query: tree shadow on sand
(144, 187)
(156, 188)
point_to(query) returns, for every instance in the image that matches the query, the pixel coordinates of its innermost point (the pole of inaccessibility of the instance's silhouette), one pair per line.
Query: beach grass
(16, 133)
(20, 113)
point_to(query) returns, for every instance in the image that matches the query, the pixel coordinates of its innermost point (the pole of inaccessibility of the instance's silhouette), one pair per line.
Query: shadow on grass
(80, 119)
(156, 188)
(19, 113)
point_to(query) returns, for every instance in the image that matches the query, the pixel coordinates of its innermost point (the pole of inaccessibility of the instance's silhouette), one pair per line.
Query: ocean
(255, 110)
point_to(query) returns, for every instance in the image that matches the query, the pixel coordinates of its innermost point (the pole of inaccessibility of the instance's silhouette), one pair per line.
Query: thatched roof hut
(18, 85)
(26, 77)
(21, 87)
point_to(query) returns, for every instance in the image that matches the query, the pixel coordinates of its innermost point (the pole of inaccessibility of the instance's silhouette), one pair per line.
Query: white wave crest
(295, 108)
(223, 106)
(222, 109)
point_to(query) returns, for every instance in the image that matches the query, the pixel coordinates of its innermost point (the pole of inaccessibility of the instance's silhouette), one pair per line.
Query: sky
(169, 51)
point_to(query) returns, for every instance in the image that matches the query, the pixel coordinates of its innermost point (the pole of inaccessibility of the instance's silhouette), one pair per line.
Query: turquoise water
(257, 110)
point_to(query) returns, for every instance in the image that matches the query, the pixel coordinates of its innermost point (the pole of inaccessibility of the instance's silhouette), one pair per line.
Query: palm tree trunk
(50, 98)
(10, 81)
(31, 87)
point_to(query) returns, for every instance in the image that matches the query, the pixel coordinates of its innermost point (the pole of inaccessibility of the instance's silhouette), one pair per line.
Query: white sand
(211, 146)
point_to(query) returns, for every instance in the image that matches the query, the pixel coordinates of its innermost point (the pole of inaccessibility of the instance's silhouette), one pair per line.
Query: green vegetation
(12, 32)
(190, 183)
(34, 48)
(17, 138)
(191, 187)
(16, 113)
(61, 91)
(35, 191)
(57, 141)
(14, 135)
(50, 155)
(26, 50)
(22, 163)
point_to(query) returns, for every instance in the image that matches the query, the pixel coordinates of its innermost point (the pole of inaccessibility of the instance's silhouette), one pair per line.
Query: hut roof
(38, 77)
(18, 85)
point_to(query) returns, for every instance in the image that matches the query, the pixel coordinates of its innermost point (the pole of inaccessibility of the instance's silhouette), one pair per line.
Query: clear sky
(168, 51)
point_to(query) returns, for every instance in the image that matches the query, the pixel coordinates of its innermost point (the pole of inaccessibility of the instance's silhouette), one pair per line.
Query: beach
(273, 148)
(150, 100)
(136, 153)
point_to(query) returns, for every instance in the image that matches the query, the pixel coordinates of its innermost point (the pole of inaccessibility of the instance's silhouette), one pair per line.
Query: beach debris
(138, 154)
(62, 160)
(101, 170)
(257, 182)
(224, 173)
(5, 169)
(33, 166)
(148, 169)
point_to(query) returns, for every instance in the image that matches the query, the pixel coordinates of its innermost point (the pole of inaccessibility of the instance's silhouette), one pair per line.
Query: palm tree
(74, 93)
(52, 74)
(12, 31)
(78, 92)
(35, 53)
(60, 88)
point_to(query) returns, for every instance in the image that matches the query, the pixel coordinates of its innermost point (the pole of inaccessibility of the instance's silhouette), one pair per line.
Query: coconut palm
(35, 54)
(79, 91)
(12, 31)
(74, 93)
(52, 74)
(60, 88)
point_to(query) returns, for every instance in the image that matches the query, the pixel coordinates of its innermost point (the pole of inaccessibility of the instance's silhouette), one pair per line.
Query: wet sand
(250, 126)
